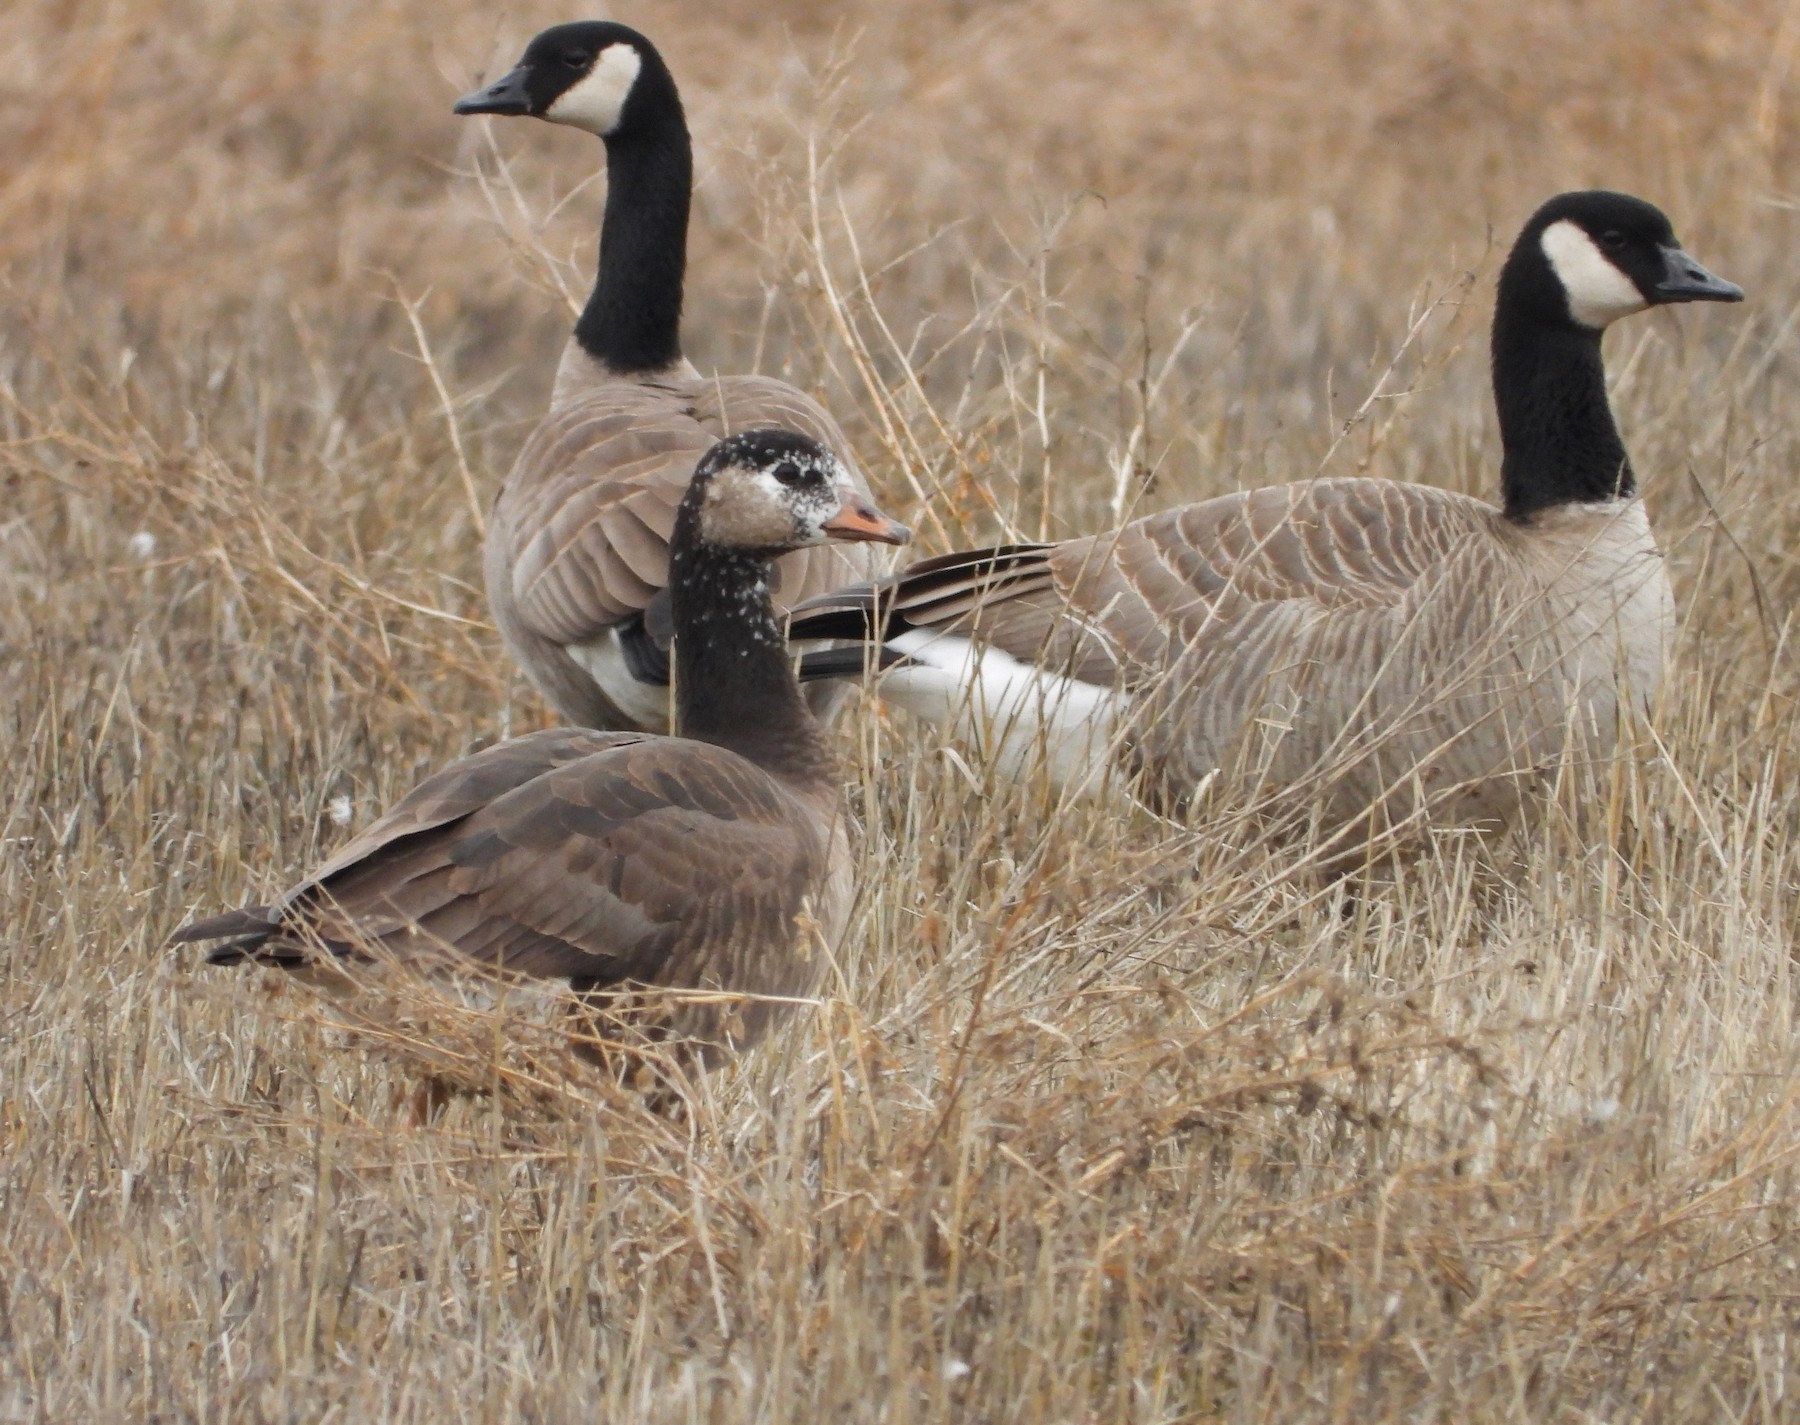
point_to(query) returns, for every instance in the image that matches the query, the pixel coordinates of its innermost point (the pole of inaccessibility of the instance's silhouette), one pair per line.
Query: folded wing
(595, 857)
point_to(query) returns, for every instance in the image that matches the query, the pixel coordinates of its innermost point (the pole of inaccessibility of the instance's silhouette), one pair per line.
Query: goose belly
(602, 658)
(1018, 716)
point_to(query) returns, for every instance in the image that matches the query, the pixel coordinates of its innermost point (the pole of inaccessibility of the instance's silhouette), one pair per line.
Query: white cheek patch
(823, 507)
(810, 511)
(595, 101)
(1599, 294)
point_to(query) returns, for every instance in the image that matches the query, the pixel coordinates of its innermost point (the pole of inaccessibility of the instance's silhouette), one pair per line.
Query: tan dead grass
(1099, 1119)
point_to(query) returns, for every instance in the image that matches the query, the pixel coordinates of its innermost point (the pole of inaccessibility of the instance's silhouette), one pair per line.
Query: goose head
(1592, 257)
(765, 492)
(592, 75)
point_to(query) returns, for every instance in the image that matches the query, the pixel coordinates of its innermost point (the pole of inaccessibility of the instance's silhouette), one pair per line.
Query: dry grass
(1100, 1119)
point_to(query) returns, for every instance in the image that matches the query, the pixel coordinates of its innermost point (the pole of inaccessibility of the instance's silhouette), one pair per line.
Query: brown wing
(466, 786)
(651, 859)
(1122, 607)
(580, 531)
(1337, 637)
(1379, 649)
(1236, 571)
(442, 798)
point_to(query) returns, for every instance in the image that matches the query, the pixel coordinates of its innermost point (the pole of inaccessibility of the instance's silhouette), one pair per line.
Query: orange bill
(860, 520)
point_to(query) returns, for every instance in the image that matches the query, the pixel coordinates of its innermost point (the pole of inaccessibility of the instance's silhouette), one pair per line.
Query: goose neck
(632, 321)
(734, 682)
(1561, 444)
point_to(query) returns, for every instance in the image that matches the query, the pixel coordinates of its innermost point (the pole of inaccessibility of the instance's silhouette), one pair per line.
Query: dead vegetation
(1099, 1119)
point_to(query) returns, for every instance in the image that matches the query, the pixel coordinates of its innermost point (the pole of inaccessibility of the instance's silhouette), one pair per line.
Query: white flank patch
(1599, 294)
(595, 101)
(604, 661)
(1015, 713)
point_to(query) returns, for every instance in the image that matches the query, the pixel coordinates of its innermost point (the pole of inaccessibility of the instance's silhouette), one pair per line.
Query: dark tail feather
(646, 659)
(937, 591)
(852, 662)
(249, 930)
(251, 951)
(255, 922)
(854, 622)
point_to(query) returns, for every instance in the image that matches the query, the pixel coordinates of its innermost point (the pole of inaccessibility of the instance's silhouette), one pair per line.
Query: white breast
(1608, 591)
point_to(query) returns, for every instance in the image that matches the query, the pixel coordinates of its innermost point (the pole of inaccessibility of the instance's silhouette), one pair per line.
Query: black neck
(632, 321)
(1556, 426)
(734, 684)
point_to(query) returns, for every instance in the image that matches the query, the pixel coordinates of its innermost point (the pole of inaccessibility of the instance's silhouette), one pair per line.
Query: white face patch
(595, 101)
(751, 509)
(825, 504)
(1599, 294)
(748, 504)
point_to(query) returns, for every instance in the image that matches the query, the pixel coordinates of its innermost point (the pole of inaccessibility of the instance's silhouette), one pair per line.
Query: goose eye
(576, 58)
(1613, 238)
(788, 473)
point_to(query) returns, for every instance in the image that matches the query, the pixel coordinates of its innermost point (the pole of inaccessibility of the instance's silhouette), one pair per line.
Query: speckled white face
(752, 508)
(1599, 294)
(595, 101)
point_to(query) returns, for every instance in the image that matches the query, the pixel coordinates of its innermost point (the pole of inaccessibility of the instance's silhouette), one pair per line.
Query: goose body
(1353, 645)
(578, 542)
(715, 860)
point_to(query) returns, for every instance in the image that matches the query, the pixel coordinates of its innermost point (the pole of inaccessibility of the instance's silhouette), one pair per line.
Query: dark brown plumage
(714, 861)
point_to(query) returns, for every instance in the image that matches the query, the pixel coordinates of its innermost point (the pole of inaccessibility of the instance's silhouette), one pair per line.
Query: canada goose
(578, 542)
(1368, 645)
(705, 860)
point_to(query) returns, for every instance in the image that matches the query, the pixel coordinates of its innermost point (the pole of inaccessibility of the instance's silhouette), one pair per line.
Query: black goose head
(1589, 258)
(765, 492)
(593, 75)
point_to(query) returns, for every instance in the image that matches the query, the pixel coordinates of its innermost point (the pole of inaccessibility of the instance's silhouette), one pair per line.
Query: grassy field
(1099, 1119)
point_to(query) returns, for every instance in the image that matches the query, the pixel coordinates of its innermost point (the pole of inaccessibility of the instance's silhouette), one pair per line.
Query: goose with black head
(1373, 652)
(578, 543)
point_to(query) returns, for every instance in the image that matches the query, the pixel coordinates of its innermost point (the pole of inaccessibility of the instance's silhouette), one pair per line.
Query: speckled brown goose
(1361, 642)
(577, 545)
(617, 860)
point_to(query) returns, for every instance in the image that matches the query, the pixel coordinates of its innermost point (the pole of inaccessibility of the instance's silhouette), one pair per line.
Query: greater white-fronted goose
(619, 860)
(578, 542)
(1368, 644)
